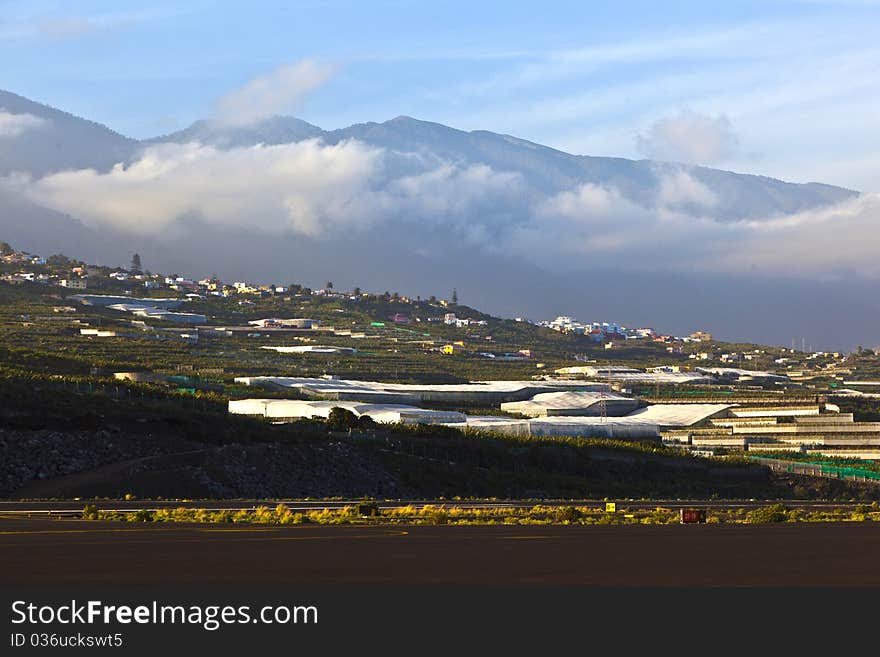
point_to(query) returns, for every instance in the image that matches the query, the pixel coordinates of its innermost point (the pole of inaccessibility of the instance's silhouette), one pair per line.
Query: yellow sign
(610, 507)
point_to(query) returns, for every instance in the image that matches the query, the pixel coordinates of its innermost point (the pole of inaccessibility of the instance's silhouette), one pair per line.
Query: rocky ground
(162, 460)
(48, 463)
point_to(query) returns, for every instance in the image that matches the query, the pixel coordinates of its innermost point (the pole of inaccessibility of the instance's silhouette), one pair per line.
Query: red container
(690, 516)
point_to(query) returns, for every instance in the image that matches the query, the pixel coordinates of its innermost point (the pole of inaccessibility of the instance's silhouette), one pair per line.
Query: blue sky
(792, 88)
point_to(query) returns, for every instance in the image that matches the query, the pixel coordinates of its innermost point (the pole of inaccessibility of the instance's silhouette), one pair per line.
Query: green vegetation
(863, 410)
(453, 514)
(45, 340)
(775, 513)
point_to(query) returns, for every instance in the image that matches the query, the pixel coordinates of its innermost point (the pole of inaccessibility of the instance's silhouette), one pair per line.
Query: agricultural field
(70, 429)
(36, 337)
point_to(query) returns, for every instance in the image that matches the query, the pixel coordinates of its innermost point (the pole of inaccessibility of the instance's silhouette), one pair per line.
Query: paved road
(52, 551)
(74, 507)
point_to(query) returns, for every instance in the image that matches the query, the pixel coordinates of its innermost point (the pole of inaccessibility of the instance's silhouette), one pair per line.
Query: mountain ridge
(401, 131)
(511, 258)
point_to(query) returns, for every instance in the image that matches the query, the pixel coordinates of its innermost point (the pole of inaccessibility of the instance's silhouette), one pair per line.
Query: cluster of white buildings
(75, 279)
(450, 319)
(598, 331)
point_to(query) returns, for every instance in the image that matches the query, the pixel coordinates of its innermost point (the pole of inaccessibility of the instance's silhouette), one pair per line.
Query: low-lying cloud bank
(689, 137)
(321, 191)
(12, 125)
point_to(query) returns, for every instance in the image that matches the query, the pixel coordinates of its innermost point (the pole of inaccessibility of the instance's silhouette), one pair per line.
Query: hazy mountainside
(740, 196)
(63, 141)
(44, 231)
(30, 225)
(60, 141)
(277, 130)
(492, 235)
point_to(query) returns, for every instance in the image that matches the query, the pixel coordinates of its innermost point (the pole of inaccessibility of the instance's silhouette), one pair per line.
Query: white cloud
(12, 125)
(597, 226)
(308, 188)
(680, 189)
(689, 137)
(594, 225)
(838, 241)
(304, 187)
(325, 191)
(475, 201)
(280, 91)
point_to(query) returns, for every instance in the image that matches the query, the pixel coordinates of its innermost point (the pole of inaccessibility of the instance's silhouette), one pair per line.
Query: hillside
(60, 141)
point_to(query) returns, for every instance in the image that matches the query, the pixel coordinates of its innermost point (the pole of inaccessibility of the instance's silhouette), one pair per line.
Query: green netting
(824, 468)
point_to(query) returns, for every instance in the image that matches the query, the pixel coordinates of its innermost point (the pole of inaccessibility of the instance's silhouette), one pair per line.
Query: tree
(59, 260)
(135, 264)
(356, 292)
(341, 419)
(454, 296)
(6, 249)
(328, 286)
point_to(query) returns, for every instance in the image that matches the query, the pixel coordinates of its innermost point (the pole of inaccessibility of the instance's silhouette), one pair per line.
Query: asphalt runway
(51, 551)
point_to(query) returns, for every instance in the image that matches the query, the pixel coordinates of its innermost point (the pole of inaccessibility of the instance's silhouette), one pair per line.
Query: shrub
(90, 512)
(567, 515)
(764, 514)
(141, 515)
